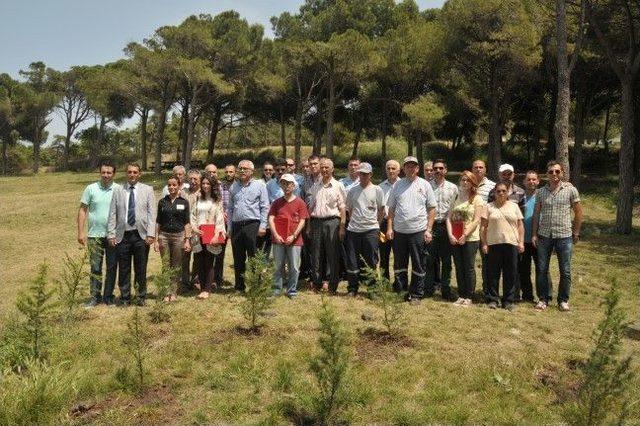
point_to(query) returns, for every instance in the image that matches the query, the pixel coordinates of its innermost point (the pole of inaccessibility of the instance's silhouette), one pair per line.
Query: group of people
(325, 230)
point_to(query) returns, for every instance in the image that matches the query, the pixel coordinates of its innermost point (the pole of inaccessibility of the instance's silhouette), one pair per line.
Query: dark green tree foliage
(72, 280)
(605, 391)
(11, 93)
(36, 306)
(330, 367)
(258, 280)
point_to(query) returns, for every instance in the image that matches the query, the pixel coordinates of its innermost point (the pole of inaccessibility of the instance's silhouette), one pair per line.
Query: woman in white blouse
(207, 210)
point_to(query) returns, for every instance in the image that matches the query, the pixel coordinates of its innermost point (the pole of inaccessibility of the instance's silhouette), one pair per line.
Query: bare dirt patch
(375, 343)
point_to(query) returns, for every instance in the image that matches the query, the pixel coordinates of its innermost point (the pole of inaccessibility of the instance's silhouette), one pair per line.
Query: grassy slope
(461, 365)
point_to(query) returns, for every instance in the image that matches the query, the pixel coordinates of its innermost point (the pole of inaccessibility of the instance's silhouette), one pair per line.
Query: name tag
(180, 207)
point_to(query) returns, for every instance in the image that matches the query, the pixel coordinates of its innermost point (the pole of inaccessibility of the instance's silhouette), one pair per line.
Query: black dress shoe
(140, 301)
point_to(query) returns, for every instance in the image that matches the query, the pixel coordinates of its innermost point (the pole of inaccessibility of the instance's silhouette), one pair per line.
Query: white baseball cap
(288, 177)
(505, 167)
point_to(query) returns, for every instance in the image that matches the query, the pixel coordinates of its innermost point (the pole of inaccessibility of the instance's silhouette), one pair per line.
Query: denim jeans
(99, 248)
(289, 256)
(564, 249)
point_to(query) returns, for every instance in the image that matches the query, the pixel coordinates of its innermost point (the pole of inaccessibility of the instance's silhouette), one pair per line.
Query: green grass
(455, 365)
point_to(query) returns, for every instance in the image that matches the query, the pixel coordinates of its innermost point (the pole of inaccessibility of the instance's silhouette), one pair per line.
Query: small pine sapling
(258, 280)
(163, 282)
(603, 395)
(71, 282)
(36, 306)
(136, 343)
(390, 302)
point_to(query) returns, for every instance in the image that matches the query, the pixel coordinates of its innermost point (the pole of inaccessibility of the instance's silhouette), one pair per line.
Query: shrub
(258, 280)
(385, 298)
(36, 306)
(70, 282)
(38, 395)
(163, 281)
(603, 395)
(136, 343)
(330, 368)
(15, 349)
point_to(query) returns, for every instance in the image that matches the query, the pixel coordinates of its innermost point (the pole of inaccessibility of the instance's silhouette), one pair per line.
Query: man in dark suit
(131, 229)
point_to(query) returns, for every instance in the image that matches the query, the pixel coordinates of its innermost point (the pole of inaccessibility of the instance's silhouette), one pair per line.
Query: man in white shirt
(392, 169)
(365, 204)
(411, 214)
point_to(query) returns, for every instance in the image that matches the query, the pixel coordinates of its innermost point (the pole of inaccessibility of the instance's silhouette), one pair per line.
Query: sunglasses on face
(554, 171)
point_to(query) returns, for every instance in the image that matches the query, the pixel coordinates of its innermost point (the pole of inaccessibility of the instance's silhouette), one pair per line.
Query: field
(453, 366)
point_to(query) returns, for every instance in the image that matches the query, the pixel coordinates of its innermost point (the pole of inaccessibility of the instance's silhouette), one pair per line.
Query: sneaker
(459, 302)
(564, 307)
(467, 303)
(510, 307)
(541, 305)
(492, 305)
(291, 295)
(203, 295)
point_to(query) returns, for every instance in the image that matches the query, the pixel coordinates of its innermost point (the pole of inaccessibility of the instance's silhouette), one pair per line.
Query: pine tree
(258, 280)
(71, 280)
(391, 303)
(163, 283)
(136, 343)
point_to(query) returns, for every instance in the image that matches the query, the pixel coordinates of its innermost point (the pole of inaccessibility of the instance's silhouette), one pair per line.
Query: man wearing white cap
(365, 204)
(412, 206)
(287, 217)
(514, 192)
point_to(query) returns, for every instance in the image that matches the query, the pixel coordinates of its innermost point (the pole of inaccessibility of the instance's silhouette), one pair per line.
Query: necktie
(131, 210)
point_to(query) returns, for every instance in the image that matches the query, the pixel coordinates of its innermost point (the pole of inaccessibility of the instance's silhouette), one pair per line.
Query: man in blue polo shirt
(94, 204)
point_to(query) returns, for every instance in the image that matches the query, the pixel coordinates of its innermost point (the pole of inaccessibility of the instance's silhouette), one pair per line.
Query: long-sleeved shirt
(248, 202)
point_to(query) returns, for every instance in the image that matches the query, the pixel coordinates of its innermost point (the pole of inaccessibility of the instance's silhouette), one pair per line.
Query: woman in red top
(286, 221)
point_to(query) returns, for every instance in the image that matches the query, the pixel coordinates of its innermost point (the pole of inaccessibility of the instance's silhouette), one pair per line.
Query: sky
(62, 33)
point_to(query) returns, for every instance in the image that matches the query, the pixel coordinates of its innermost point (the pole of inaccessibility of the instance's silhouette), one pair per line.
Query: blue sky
(63, 33)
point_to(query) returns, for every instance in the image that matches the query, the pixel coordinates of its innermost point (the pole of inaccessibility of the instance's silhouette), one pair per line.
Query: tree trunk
(385, 118)
(576, 169)
(5, 144)
(317, 142)
(144, 116)
(330, 115)
(605, 132)
(213, 134)
(283, 133)
(563, 101)
(624, 213)
(162, 121)
(410, 143)
(37, 140)
(495, 141)
(419, 151)
(356, 142)
(67, 147)
(95, 158)
(191, 127)
(298, 132)
(184, 131)
(550, 150)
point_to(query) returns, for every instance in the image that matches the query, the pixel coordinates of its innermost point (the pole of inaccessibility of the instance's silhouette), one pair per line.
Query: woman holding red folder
(207, 221)
(463, 226)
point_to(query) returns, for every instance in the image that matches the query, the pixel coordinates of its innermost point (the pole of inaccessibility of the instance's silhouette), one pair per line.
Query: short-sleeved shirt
(485, 187)
(274, 190)
(363, 205)
(98, 200)
(386, 190)
(464, 211)
(446, 194)
(173, 216)
(326, 200)
(502, 227)
(410, 200)
(555, 210)
(349, 183)
(514, 193)
(294, 210)
(528, 206)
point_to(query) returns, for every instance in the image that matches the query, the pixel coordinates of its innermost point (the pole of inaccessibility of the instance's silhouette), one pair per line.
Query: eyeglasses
(290, 164)
(244, 169)
(554, 171)
(438, 168)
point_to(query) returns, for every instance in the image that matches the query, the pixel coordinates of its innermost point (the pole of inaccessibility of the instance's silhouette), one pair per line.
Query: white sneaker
(564, 307)
(541, 305)
(468, 302)
(459, 302)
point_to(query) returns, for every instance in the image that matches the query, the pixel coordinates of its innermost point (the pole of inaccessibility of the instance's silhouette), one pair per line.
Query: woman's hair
(174, 177)
(473, 181)
(215, 188)
(504, 184)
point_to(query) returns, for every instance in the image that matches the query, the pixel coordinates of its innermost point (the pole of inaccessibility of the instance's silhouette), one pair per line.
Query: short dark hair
(354, 158)
(531, 172)
(267, 163)
(136, 165)
(440, 160)
(281, 162)
(552, 163)
(173, 176)
(107, 162)
(313, 157)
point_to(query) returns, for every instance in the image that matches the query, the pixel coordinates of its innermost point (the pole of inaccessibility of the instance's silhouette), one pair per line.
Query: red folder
(208, 232)
(282, 227)
(457, 229)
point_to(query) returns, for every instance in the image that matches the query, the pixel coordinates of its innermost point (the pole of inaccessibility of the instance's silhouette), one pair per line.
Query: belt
(131, 232)
(325, 218)
(245, 222)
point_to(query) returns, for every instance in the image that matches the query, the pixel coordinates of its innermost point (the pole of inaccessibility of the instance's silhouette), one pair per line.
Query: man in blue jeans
(554, 230)
(94, 206)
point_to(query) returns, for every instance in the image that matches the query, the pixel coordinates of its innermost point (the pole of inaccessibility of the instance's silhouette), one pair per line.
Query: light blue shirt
(98, 200)
(274, 190)
(529, 205)
(248, 202)
(349, 183)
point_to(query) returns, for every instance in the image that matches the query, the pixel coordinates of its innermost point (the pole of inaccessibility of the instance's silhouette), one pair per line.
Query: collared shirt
(307, 184)
(326, 200)
(514, 193)
(97, 198)
(274, 190)
(349, 183)
(248, 202)
(225, 185)
(410, 201)
(386, 187)
(173, 216)
(485, 187)
(555, 210)
(528, 207)
(127, 189)
(445, 197)
(363, 204)
(184, 190)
